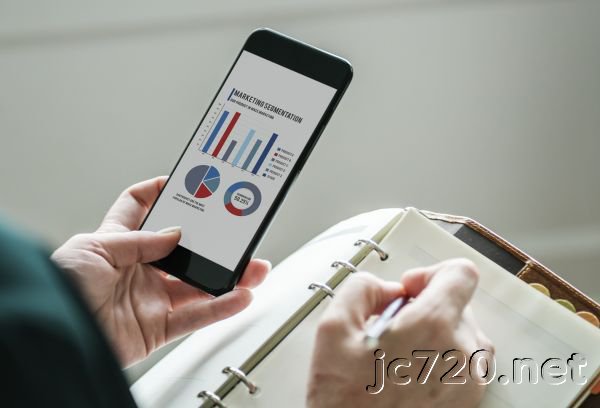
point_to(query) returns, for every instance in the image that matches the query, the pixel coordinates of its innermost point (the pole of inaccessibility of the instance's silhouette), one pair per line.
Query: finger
(469, 333)
(132, 206)
(362, 296)
(255, 273)
(471, 340)
(128, 248)
(482, 341)
(469, 321)
(445, 288)
(181, 293)
(199, 314)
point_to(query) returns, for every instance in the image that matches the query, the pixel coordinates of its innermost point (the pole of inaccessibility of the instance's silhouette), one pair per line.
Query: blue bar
(265, 153)
(238, 156)
(215, 131)
(229, 150)
(252, 153)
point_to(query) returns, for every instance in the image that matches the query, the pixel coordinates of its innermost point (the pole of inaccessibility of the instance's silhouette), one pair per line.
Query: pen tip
(371, 342)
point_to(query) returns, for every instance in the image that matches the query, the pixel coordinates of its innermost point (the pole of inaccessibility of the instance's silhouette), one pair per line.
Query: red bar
(226, 134)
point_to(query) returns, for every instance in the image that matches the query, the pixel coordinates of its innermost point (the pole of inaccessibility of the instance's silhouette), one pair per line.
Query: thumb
(128, 248)
(362, 296)
(201, 313)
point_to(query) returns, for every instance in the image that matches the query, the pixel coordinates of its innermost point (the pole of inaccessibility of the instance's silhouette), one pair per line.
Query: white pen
(378, 327)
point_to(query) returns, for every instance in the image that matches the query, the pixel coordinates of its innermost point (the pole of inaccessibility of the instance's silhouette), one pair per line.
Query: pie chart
(202, 181)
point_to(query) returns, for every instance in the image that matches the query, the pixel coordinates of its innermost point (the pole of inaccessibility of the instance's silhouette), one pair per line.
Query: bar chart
(233, 139)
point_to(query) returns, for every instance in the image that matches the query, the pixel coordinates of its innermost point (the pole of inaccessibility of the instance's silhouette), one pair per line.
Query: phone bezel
(299, 57)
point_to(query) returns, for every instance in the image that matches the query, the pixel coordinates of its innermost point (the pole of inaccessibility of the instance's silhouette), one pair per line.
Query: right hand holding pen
(345, 372)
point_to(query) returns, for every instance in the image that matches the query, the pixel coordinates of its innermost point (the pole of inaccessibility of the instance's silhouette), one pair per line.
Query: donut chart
(202, 181)
(241, 203)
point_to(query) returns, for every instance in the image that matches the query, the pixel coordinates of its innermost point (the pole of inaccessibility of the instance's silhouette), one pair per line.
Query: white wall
(489, 109)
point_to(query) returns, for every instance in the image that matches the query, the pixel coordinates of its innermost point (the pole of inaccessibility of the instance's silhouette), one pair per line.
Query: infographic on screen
(239, 158)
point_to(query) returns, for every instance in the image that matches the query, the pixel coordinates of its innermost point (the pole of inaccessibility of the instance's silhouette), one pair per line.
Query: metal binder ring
(212, 397)
(372, 244)
(236, 372)
(323, 287)
(344, 264)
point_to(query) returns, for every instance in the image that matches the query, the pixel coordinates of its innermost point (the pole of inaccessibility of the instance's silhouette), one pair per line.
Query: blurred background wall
(489, 109)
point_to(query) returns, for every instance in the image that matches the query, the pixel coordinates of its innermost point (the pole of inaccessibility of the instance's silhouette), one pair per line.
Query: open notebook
(521, 321)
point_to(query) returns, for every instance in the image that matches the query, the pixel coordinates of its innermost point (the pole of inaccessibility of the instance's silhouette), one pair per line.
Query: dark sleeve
(52, 351)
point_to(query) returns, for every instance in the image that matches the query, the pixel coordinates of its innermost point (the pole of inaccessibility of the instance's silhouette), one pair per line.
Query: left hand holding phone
(140, 307)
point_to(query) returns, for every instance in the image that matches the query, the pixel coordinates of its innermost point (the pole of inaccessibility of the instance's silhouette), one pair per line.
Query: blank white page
(520, 321)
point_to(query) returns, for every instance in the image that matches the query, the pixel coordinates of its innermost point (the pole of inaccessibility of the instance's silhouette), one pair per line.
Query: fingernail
(170, 230)
(269, 264)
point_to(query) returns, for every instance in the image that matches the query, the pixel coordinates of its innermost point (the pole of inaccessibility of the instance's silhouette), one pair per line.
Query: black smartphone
(247, 150)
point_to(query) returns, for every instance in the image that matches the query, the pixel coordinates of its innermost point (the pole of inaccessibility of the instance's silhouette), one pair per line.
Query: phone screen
(239, 158)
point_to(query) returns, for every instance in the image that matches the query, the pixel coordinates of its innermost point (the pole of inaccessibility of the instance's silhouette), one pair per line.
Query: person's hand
(345, 372)
(140, 307)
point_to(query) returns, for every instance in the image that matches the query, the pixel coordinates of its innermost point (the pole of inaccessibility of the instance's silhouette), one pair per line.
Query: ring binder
(212, 397)
(236, 372)
(373, 245)
(323, 287)
(272, 380)
(344, 264)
